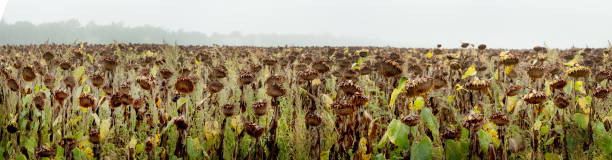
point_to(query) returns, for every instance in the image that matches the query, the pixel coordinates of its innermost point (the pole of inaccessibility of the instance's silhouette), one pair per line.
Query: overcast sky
(411, 23)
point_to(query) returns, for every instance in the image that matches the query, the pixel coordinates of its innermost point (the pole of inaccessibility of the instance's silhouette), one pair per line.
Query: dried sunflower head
(86, 101)
(312, 119)
(499, 118)
(275, 79)
(509, 59)
(535, 97)
(601, 92)
(603, 75)
(578, 72)
(28, 74)
(473, 121)
(465, 45)
(110, 64)
(60, 95)
(349, 87)
(451, 133)
(44, 151)
(94, 136)
(65, 65)
(561, 102)
(228, 110)
(390, 68)
(214, 86)
(343, 108)
(180, 123)
(255, 67)
(321, 66)
(69, 81)
(308, 75)
(411, 120)
(253, 129)
(166, 73)
(184, 85)
(48, 56)
(39, 100)
(477, 85)
(558, 83)
(536, 71)
(513, 90)
(482, 47)
(261, 108)
(49, 80)
(246, 77)
(358, 99)
(269, 61)
(219, 72)
(275, 90)
(300, 67)
(145, 83)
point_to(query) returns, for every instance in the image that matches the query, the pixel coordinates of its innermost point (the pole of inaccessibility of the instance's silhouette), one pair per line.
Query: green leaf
(193, 148)
(456, 150)
(398, 90)
(581, 120)
(37, 88)
(551, 156)
(397, 133)
(422, 150)
(470, 72)
(139, 148)
(21, 157)
(430, 121)
(602, 138)
(484, 139)
(79, 154)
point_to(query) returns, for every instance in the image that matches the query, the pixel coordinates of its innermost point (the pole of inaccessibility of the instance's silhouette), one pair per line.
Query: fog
(403, 23)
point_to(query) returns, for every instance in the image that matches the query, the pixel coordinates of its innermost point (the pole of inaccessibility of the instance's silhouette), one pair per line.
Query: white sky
(2, 5)
(412, 23)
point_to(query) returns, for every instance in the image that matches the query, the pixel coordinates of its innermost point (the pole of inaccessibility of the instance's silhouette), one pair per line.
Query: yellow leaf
(90, 58)
(82, 80)
(492, 131)
(197, 62)
(132, 143)
(324, 155)
(496, 75)
(88, 151)
(104, 128)
(458, 87)
(508, 70)
(157, 138)
(578, 86)
(210, 130)
(470, 72)
(78, 72)
(513, 101)
(316, 82)
(76, 120)
(429, 54)
(572, 62)
(235, 122)
(158, 103)
(582, 102)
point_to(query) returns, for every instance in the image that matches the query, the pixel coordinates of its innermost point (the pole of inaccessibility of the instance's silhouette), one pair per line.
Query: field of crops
(144, 101)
